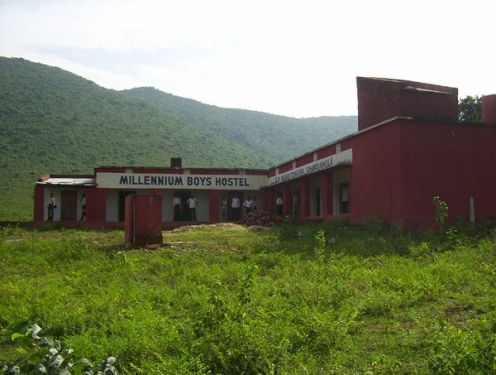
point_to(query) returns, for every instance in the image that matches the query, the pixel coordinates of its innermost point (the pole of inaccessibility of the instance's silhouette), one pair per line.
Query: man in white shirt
(247, 205)
(253, 204)
(192, 207)
(52, 205)
(235, 208)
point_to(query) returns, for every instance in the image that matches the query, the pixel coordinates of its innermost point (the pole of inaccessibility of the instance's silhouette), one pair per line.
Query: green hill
(52, 121)
(276, 137)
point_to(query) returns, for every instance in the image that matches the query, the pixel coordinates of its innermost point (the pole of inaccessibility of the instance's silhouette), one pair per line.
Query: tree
(469, 109)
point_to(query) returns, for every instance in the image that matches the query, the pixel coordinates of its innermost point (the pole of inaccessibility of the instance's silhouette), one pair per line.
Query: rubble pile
(260, 218)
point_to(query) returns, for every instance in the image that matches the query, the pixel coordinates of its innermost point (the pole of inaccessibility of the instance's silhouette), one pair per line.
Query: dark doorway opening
(68, 205)
(317, 202)
(344, 198)
(184, 213)
(234, 213)
(122, 203)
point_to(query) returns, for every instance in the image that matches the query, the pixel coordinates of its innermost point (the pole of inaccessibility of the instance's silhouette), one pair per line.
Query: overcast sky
(295, 58)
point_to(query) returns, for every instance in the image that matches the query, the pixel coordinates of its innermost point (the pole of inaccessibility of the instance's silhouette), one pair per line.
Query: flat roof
(68, 181)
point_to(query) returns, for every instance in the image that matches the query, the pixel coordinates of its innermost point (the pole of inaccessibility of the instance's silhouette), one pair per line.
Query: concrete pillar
(488, 108)
(214, 205)
(326, 198)
(304, 198)
(143, 220)
(96, 204)
(129, 221)
(286, 198)
(268, 200)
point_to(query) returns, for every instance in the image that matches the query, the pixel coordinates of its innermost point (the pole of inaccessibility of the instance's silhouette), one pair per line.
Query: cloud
(287, 57)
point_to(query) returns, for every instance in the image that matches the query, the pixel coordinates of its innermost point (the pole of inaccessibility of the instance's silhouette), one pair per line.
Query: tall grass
(334, 298)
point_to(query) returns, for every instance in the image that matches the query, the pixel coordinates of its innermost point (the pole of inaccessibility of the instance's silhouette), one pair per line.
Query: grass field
(318, 299)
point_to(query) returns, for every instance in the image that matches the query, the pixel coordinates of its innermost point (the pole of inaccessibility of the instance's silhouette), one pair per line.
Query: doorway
(317, 202)
(344, 198)
(68, 205)
(184, 213)
(122, 203)
(236, 199)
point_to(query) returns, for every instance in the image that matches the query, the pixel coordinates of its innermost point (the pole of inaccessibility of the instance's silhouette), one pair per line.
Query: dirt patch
(188, 228)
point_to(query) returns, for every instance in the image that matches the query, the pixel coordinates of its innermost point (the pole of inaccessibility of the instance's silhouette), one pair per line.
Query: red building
(409, 148)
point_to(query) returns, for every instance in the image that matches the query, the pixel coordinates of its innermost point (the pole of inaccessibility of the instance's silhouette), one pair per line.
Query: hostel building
(409, 147)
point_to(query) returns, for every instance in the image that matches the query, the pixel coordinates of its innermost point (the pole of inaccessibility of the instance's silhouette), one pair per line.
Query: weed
(441, 210)
(320, 243)
(463, 351)
(46, 355)
(288, 230)
(238, 301)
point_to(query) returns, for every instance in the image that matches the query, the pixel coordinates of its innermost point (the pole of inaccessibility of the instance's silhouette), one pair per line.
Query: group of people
(180, 213)
(250, 204)
(236, 208)
(52, 206)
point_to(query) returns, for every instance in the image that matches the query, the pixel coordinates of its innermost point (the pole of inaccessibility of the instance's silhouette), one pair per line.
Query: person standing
(176, 204)
(223, 208)
(253, 204)
(247, 205)
(192, 207)
(345, 198)
(279, 205)
(83, 207)
(236, 207)
(52, 205)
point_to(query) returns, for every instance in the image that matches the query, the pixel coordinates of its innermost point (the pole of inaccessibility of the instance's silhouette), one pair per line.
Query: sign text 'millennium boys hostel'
(179, 181)
(219, 182)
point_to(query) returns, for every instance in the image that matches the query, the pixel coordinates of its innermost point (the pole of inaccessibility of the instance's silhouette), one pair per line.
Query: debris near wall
(187, 228)
(260, 218)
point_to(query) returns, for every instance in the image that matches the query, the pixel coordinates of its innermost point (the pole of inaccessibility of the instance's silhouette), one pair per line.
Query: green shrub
(464, 351)
(46, 355)
(373, 224)
(320, 243)
(288, 230)
(441, 210)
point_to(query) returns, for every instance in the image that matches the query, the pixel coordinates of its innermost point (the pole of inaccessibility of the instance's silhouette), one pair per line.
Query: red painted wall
(453, 161)
(326, 193)
(268, 200)
(147, 220)
(286, 167)
(304, 197)
(214, 205)
(376, 174)
(327, 151)
(305, 159)
(381, 99)
(96, 205)
(488, 108)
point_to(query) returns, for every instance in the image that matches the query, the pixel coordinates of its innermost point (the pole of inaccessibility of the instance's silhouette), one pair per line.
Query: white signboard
(179, 181)
(344, 157)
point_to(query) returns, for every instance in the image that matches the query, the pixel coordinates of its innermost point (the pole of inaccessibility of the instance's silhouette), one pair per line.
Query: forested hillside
(276, 137)
(52, 121)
